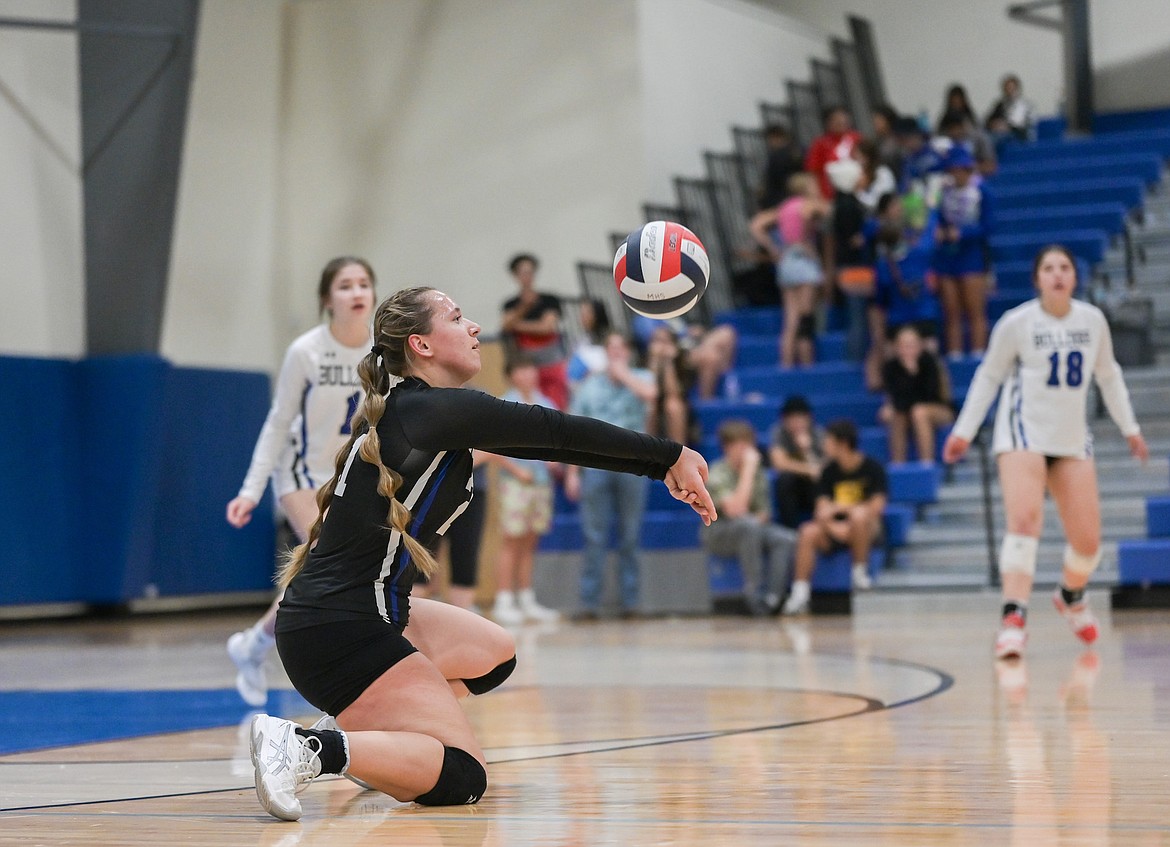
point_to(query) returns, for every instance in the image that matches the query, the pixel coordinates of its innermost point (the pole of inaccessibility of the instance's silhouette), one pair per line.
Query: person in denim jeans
(620, 395)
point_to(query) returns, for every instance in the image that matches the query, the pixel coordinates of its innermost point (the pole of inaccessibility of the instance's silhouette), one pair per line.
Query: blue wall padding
(40, 496)
(115, 473)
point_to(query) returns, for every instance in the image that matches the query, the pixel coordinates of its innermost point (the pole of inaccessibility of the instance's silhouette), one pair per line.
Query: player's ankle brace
(334, 748)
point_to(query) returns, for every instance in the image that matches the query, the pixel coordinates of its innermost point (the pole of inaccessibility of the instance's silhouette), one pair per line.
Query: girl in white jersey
(316, 395)
(1044, 353)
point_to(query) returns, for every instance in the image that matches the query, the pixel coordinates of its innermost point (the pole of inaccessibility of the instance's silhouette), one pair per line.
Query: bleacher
(1143, 564)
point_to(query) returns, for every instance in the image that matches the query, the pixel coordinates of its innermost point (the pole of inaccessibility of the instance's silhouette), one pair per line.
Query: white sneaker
(248, 656)
(284, 763)
(1009, 643)
(533, 611)
(861, 579)
(505, 612)
(328, 722)
(797, 602)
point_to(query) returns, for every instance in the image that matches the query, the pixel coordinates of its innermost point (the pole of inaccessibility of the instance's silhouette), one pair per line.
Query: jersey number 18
(1073, 376)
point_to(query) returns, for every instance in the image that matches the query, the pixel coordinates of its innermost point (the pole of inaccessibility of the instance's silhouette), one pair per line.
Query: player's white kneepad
(1079, 562)
(1018, 554)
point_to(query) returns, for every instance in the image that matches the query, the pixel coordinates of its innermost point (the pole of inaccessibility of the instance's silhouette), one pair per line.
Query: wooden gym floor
(894, 726)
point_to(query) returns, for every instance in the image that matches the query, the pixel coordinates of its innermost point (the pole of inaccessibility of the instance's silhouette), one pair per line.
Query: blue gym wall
(114, 476)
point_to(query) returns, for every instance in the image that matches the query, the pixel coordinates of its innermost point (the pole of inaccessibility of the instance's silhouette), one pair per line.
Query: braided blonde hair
(401, 315)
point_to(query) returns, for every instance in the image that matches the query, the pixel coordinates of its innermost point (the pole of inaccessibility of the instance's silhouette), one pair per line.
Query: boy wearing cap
(745, 530)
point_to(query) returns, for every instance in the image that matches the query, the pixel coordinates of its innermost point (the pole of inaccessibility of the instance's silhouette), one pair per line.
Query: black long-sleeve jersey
(360, 567)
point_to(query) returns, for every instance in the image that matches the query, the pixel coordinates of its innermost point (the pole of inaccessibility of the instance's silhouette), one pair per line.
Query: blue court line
(38, 720)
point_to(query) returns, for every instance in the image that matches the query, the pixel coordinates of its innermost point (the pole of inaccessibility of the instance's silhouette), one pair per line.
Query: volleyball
(661, 270)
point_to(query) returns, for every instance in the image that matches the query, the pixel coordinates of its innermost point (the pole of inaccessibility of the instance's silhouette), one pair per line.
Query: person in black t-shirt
(352, 640)
(917, 396)
(796, 456)
(851, 496)
(531, 326)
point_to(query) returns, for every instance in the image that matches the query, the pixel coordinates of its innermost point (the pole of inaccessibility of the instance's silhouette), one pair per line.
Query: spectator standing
(1011, 116)
(885, 138)
(785, 158)
(958, 131)
(877, 179)
(797, 456)
(589, 354)
(745, 530)
(852, 266)
(798, 270)
(848, 514)
(962, 253)
(531, 325)
(834, 144)
(905, 283)
(917, 397)
(526, 495)
(622, 396)
(957, 104)
(922, 170)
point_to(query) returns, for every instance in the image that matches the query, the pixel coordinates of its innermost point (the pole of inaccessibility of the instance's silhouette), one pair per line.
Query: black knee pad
(492, 679)
(462, 781)
(807, 327)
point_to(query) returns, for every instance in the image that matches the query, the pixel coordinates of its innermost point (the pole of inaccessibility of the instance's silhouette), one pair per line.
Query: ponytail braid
(400, 315)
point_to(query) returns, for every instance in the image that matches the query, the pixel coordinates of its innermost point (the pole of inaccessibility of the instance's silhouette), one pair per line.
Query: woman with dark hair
(316, 394)
(353, 642)
(957, 104)
(1045, 353)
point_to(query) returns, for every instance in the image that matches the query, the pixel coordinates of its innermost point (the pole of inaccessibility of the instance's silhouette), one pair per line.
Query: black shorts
(331, 664)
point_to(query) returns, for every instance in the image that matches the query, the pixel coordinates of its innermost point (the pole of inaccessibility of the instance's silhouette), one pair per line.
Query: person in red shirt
(531, 326)
(835, 144)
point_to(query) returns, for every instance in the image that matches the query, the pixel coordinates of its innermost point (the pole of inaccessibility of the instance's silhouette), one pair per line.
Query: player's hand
(687, 481)
(955, 448)
(1138, 448)
(239, 511)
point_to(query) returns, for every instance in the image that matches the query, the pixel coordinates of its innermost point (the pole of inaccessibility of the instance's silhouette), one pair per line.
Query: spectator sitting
(796, 455)
(710, 353)
(957, 131)
(904, 291)
(1011, 116)
(785, 158)
(848, 514)
(917, 396)
(961, 256)
(589, 355)
(834, 144)
(957, 104)
(531, 324)
(798, 269)
(745, 529)
(670, 413)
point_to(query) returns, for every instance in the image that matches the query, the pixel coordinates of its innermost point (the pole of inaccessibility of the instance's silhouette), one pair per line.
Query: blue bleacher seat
(896, 522)
(725, 576)
(1127, 190)
(823, 378)
(1105, 144)
(835, 570)
(1089, 244)
(1143, 165)
(874, 441)
(1014, 278)
(1158, 516)
(661, 530)
(710, 412)
(758, 320)
(831, 346)
(913, 483)
(1144, 562)
(1108, 217)
(756, 351)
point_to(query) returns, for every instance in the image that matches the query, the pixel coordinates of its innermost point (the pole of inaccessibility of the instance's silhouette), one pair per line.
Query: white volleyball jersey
(1044, 365)
(316, 395)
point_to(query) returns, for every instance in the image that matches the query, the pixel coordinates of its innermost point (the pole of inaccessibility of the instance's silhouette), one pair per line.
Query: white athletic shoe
(505, 612)
(1009, 644)
(328, 722)
(533, 611)
(861, 579)
(284, 763)
(1080, 618)
(797, 602)
(248, 656)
